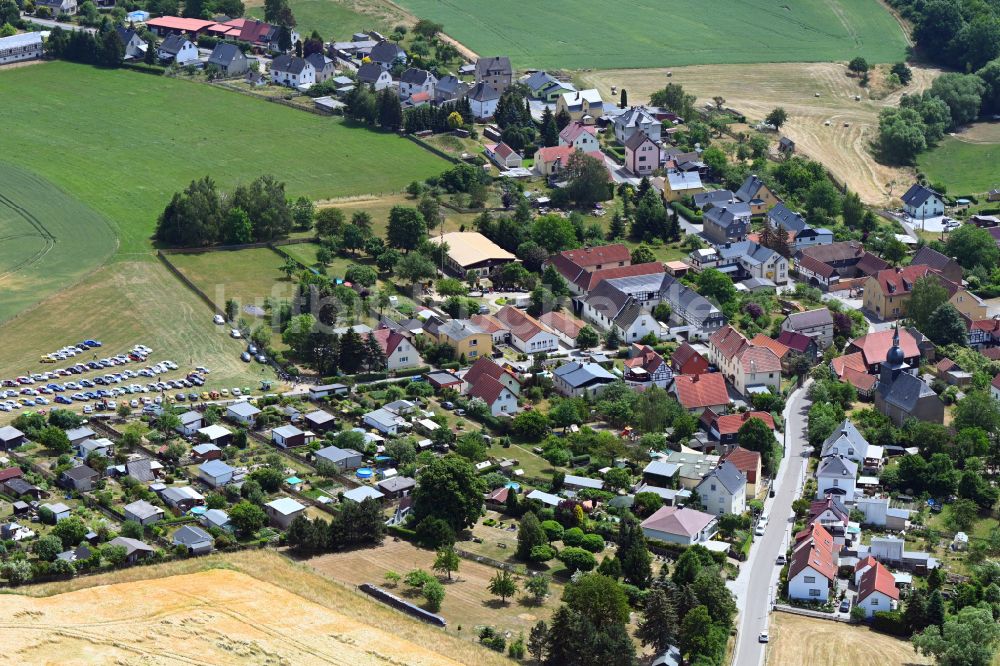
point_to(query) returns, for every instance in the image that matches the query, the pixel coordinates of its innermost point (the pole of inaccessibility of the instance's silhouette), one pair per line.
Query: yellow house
(465, 338)
(888, 292)
(678, 184)
(757, 195)
(584, 106)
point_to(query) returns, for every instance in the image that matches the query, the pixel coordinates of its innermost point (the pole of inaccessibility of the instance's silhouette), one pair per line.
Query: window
(874, 601)
(809, 579)
(403, 359)
(473, 342)
(814, 592)
(836, 482)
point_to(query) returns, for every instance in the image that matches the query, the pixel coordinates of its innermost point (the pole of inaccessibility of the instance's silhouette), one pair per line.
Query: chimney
(578, 94)
(694, 379)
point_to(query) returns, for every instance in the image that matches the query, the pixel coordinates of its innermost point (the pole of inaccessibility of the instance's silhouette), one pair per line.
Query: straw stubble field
(259, 608)
(804, 640)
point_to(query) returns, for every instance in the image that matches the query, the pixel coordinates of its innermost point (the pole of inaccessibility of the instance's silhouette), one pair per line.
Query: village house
(503, 155)
(80, 478)
(487, 367)
(846, 442)
(577, 379)
(495, 71)
(921, 202)
(705, 200)
(637, 120)
(371, 74)
(190, 423)
(749, 367)
(610, 307)
(813, 565)
(282, 511)
(800, 234)
(325, 68)
(58, 7)
(749, 464)
(580, 136)
(695, 315)
(723, 490)
(564, 325)
(833, 516)
(386, 54)
(399, 351)
(696, 393)
(414, 81)
(726, 223)
(135, 46)
(877, 590)
(585, 106)
(177, 49)
(390, 419)
(759, 196)
(143, 512)
(463, 336)
(684, 526)
(498, 397)
(242, 412)
(552, 160)
(838, 476)
(900, 394)
(102, 447)
(449, 88)
(645, 367)
(817, 324)
(483, 99)
(723, 428)
(843, 260)
(292, 71)
(229, 60)
(888, 292)
(678, 184)
(642, 156)
(572, 264)
(527, 334)
(546, 87)
(748, 260)
(686, 360)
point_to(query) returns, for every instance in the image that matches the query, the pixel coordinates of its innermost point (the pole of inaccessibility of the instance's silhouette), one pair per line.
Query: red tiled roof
(499, 495)
(487, 389)
(875, 346)
(746, 461)
(575, 129)
(996, 382)
(818, 535)
(807, 554)
(776, 346)
(685, 353)
(730, 424)
(254, 31)
(520, 323)
(796, 341)
(387, 339)
(10, 473)
(867, 562)
(819, 506)
(488, 323)
(944, 365)
(646, 358)
(696, 391)
(178, 23)
(855, 361)
(859, 379)
(563, 153)
(816, 266)
(485, 366)
(566, 324)
(759, 359)
(503, 150)
(728, 341)
(992, 353)
(877, 579)
(900, 281)
(585, 257)
(588, 281)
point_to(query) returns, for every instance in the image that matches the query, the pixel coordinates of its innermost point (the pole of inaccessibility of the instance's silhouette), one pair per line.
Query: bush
(592, 542)
(573, 536)
(542, 553)
(889, 622)
(577, 559)
(553, 530)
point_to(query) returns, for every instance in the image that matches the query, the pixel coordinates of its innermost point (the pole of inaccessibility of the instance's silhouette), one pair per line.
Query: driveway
(756, 585)
(48, 23)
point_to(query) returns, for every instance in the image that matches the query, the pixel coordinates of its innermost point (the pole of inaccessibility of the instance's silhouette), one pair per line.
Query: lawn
(964, 167)
(379, 209)
(48, 239)
(599, 35)
(337, 20)
(123, 143)
(249, 276)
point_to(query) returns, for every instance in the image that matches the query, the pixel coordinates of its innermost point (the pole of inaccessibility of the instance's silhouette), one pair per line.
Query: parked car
(218, 320)
(245, 357)
(845, 606)
(235, 333)
(763, 638)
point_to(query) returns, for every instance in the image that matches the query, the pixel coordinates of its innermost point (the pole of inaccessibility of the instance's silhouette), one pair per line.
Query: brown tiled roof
(387, 339)
(859, 379)
(746, 461)
(585, 257)
(676, 520)
(728, 341)
(819, 506)
(992, 353)
(795, 341)
(520, 323)
(928, 256)
(877, 579)
(485, 366)
(647, 358)
(759, 359)
(588, 281)
(488, 323)
(487, 388)
(730, 424)
(776, 346)
(875, 346)
(816, 266)
(684, 353)
(869, 264)
(565, 323)
(831, 252)
(694, 391)
(10, 473)
(855, 361)
(944, 365)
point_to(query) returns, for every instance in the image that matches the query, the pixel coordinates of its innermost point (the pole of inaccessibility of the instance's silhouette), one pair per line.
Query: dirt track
(756, 89)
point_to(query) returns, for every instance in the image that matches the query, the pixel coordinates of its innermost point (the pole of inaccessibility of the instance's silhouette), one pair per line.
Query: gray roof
(728, 215)
(493, 65)
(608, 299)
(126, 34)
(415, 76)
(918, 194)
(749, 189)
(74, 434)
(905, 391)
(729, 476)
(583, 481)
(190, 417)
(224, 54)
(19, 486)
(483, 92)
(396, 484)
(217, 517)
(142, 509)
(80, 472)
(335, 454)
(578, 374)
(628, 314)
(634, 117)
(683, 298)
(683, 180)
(748, 251)
(539, 80)
(787, 219)
(661, 468)
(319, 417)
(286, 431)
(319, 61)
(369, 72)
(27, 38)
(290, 64)
(215, 468)
(192, 535)
(243, 409)
(836, 466)
(387, 52)
(459, 329)
(131, 545)
(10, 433)
(140, 470)
(714, 197)
(362, 493)
(173, 44)
(180, 494)
(847, 433)
(809, 319)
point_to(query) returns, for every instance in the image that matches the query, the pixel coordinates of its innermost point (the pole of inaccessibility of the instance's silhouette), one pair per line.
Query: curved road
(757, 581)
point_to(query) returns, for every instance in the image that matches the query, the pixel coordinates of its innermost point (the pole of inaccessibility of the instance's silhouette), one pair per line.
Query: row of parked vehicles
(70, 351)
(138, 354)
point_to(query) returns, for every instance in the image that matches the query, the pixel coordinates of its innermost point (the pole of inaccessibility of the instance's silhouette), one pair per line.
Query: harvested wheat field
(467, 603)
(756, 89)
(803, 640)
(253, 608)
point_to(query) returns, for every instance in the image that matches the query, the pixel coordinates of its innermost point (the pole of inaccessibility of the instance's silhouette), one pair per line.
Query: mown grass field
(337, 20)
(579, 34)
(124, 142)
(249, 276)
(48, 239)
(965, 167)
(805, 640)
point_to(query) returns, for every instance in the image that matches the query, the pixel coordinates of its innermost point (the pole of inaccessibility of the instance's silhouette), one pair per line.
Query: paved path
(757, 582)
(48, 23)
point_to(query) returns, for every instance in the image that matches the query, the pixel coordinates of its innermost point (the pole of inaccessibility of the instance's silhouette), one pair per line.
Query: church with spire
(901, 394)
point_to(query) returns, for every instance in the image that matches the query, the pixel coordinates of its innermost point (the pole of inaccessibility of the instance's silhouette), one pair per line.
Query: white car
(235, 333)
(763, 638)
(87, 409)
(759, 531)
(133, 404)
(237, 392)
(203, 370)
(217, 319)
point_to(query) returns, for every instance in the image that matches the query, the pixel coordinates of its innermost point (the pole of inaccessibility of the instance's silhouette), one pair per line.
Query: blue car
(63, 400)
(92, 343)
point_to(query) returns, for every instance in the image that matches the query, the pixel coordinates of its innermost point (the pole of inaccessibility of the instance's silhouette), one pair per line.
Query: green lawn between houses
(579, 34)
(965, 168)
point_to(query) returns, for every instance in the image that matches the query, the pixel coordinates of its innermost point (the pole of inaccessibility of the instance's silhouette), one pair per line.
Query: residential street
(56, 24)
(755, 585)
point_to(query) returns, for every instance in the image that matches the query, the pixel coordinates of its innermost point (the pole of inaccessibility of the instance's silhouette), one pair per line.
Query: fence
(819, 615)
(437, 151)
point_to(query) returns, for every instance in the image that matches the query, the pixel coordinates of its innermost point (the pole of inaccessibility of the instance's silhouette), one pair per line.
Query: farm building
(472, 251)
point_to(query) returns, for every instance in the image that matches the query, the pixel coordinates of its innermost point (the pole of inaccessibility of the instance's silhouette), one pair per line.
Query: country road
(755, 586)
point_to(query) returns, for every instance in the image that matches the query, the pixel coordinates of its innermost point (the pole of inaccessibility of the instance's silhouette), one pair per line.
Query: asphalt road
(48, 23)
(756, 584)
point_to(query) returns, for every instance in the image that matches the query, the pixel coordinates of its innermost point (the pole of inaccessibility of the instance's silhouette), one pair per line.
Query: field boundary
(830, 617)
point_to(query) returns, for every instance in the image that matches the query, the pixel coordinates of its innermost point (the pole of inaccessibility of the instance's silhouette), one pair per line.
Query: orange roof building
(696, 393)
